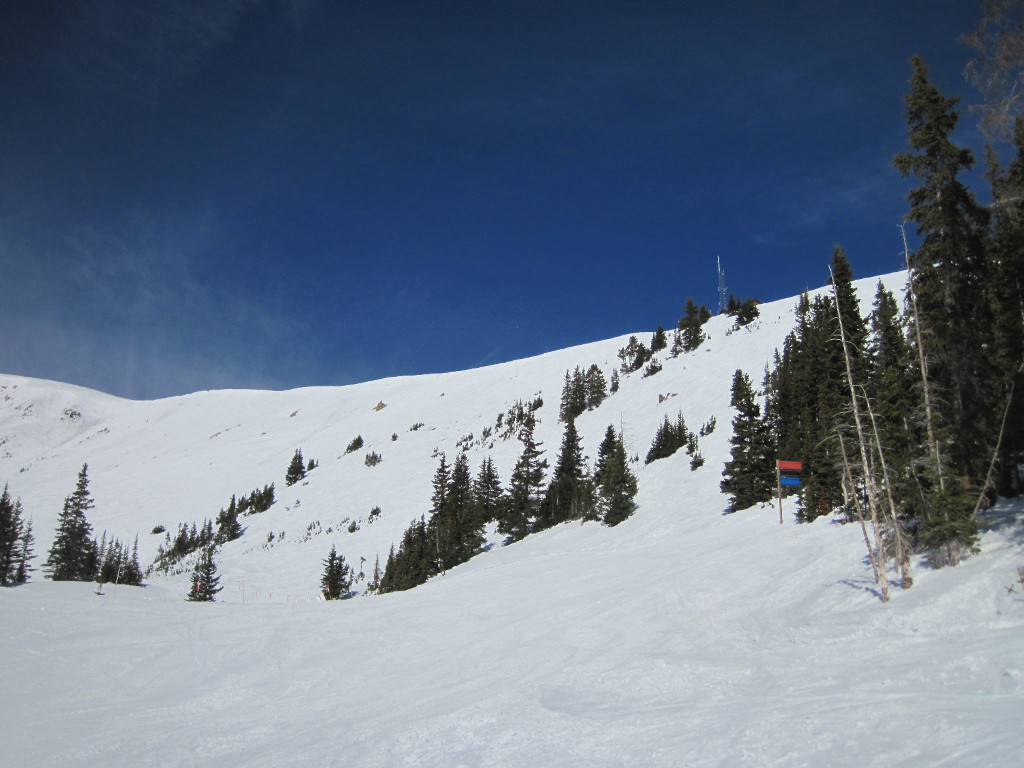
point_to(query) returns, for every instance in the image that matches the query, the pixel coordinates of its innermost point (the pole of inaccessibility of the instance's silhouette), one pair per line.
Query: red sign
(792, 466)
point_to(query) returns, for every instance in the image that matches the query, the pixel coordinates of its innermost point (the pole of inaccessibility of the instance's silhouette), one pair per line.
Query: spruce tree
(388, 576)
(132, 572)
(11, 531)
(73, 554)
(634, 355)
(670, 437)
(488, 496)
(690, 326)
(805, 397)
(616, 483)
(849, 306)
(336, 582)
(111, 559)
(604, 451)
(575, 396)
(659, 340)
(1007, 290)
(950, 274)
(413, 562)
(749, 476)
(596, 387)
(296, 469)
(570, 494)
(893, 396)
(453, 523)
(524, 489)
(25, 554)
(205, 582)
(228, 527)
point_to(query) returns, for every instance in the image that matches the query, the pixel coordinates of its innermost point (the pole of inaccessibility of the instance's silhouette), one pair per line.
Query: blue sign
(785, 480)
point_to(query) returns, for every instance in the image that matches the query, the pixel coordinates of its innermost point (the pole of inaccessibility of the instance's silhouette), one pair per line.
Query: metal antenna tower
(723, 301)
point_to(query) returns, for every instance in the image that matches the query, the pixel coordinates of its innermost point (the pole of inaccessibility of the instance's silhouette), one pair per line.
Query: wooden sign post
(786, 473)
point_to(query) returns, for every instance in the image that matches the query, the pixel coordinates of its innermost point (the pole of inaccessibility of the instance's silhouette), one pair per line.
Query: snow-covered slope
(681, 637)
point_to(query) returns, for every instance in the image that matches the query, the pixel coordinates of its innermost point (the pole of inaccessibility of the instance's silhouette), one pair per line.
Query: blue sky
(270, 194)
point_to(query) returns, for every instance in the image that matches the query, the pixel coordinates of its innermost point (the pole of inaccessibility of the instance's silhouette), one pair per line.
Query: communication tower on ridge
(723, 300)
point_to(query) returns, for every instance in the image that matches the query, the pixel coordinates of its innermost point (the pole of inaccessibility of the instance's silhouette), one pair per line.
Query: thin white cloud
(139, 49)
(130, 312)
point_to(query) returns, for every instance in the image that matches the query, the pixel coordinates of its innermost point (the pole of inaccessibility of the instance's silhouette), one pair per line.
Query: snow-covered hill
(681, 637)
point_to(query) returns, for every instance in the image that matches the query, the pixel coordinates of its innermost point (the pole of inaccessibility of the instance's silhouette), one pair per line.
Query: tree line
(913, 420)
(462, 505)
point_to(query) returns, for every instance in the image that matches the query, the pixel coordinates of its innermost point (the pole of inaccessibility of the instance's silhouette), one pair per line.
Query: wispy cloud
(132, 313)
(139, 49)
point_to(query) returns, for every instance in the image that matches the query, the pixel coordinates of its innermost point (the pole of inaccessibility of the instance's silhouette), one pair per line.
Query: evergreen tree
(525, 485)
(806, 396)
(228, 527)
(132, 572)
(373, 587)
(453, 522)
(73, 554)
(110, 559)
(634, 355)
(336, 582)
(950, 274)
(488, 496)
(570, 494)
(745, 311)
(670, 437)
(205, 582)
(691, 326)
(749, 476)
(1007, 290)
(582, 391)
(574, 395)
(659, 340)
(893, 396)
(604, 452)
(413, 563)
(25, 554)
(849, 308)
(596, 387)
(677, 344)
(116, 565)
(616, 482)
(296, 469)
(386, 583)
(11, 531)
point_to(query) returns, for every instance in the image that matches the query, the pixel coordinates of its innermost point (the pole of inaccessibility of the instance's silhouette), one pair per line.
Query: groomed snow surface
(683, 637)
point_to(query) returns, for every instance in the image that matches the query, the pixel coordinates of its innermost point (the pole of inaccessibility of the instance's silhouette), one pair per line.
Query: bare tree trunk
(874, 553)
(902, 558)
(869, 480)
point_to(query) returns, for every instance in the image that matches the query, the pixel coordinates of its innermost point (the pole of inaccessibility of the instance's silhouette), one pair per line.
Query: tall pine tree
(570, 493)
(488, 496)
(749, 474)
(73, 556)
(616, 482)
(525, 486)
(205, 581)
(12, 530)
(950, 275)
(336, 581)
(1007, 289)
